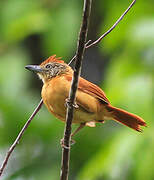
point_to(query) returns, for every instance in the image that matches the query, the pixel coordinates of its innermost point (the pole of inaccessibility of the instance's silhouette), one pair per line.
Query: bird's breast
(54, 94)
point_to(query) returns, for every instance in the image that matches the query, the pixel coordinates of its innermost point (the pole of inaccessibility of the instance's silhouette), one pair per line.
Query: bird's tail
(126, 118)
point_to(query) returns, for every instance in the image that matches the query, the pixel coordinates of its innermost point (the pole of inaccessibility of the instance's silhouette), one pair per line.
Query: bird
(92, 105)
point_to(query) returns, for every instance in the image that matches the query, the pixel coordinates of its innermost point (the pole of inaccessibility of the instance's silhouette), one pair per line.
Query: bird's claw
(64, 146)
(72, 142)
(69, 103)
(75, 106)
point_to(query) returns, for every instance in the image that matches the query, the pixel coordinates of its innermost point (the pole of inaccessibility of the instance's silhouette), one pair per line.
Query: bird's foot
(72, 141)
(69, 103)
(64, 146)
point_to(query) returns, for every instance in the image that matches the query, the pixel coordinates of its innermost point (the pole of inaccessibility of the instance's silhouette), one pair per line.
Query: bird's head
(50, 68)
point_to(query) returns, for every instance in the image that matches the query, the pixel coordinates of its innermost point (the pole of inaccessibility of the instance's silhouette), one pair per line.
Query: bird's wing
(91, 89)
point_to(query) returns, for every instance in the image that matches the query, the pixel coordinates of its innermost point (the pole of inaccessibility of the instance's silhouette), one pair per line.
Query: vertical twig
(74, 85)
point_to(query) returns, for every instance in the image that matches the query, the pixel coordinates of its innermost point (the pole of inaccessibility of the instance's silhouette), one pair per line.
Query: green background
(122, 65)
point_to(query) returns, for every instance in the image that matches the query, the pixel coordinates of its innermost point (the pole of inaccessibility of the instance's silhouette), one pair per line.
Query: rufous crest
(52, 59)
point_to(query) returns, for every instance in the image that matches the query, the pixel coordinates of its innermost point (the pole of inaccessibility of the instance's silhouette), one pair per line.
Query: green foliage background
(110, 151)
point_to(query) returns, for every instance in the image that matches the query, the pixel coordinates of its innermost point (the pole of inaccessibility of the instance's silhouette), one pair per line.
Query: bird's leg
(78, 129)
(72, 141)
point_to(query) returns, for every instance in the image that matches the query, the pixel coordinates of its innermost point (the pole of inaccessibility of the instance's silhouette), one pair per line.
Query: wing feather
(90, 89)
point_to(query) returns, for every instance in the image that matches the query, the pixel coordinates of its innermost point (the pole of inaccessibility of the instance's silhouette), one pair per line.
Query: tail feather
(131, 120)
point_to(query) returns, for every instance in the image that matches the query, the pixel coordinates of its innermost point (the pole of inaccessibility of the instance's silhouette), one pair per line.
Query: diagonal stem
(107, 32)
(19, 137)
(114, 25)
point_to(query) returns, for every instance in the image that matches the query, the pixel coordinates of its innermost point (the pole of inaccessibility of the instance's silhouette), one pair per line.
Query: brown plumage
(93, 105)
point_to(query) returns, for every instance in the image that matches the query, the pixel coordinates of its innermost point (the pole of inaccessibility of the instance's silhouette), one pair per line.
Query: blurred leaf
(113, 161)
(64, 31)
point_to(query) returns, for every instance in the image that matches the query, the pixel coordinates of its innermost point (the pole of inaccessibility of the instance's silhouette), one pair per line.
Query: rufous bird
(92, 103)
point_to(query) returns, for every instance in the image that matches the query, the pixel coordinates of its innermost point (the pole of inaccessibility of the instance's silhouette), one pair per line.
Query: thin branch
(74, 85)
(107, 32)
(73, 58)
(114, 25)
(19, 137)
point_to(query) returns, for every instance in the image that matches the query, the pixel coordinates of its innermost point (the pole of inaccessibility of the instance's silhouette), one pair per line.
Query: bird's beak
(34, 68)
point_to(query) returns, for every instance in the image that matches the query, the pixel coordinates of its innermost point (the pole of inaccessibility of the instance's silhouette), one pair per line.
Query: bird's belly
(81, 116)
(56, 103)
(59, 110)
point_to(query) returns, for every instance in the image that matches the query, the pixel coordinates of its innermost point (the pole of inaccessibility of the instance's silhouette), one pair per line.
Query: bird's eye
(48, 66)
